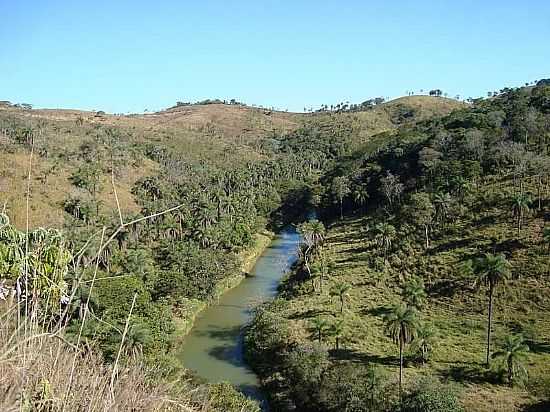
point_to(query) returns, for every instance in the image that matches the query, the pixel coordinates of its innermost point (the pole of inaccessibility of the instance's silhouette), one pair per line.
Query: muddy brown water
(214, 346)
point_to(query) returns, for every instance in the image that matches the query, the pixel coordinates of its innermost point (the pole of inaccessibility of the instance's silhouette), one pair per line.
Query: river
(214, 347)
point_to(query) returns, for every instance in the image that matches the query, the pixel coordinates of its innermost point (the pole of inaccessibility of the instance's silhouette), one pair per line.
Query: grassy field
(456, 310)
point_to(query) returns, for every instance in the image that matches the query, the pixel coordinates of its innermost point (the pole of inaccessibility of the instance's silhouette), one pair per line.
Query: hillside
(164, 207)
(418, 230)
(214, 132)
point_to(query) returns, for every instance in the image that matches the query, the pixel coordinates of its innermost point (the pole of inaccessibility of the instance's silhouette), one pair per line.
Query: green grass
(522, 306)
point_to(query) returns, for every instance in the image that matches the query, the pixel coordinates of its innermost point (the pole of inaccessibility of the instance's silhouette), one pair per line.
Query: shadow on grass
(376, 311)
(509, 245)
(542, 406)
(310, 313)
(355, 356)
(538, 347)
(471, 374)
(446, 288)
(455, 244)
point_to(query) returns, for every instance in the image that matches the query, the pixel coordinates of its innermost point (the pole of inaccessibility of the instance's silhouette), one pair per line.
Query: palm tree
(385, 235)
(425, 341)
(312, 233)
(520, 207)
(413, 293)
(316, 230)
(360, 195)
(137, 337)
(319, 326)
(401, 325)
(336, 330)
(512, 354)
(491, 270)
(442, 203)
(340, 290)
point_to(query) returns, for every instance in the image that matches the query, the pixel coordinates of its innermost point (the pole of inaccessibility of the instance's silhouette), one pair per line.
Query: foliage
(431, 396)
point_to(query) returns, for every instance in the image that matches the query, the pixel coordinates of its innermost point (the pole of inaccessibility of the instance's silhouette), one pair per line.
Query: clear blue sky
(122, 55)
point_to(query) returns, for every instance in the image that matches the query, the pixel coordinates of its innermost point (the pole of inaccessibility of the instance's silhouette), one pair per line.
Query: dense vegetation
(435, 262)
(152, 220)
(134, 274)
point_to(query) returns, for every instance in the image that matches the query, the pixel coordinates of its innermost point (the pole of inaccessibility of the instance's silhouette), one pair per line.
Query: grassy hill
(217, 133)
(423, 207)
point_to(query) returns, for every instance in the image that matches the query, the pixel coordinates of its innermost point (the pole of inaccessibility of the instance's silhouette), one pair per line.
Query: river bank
(214, 348)
(191, 308)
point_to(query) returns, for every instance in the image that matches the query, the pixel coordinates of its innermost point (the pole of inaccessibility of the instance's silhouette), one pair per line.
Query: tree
(322, 266)
(320, 326)
(340, 190)
(442, 203)
(392, 188)
(429, 395)
(385, 234)
(336, 330)
(312, 234)
(402, 326)
(88, 177)
(413, 293)
(512, 354)
(424, 341)
(340, 290)
(360, 195)
(520, 207)
(490, 270)
(137, 338)
(421, 211)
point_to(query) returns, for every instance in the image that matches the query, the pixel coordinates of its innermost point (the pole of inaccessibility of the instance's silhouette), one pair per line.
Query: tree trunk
(341, 304)
(341, 210)
(490, 321)
(337, 343)
(539, 190)
(427, 238)
(400, 366)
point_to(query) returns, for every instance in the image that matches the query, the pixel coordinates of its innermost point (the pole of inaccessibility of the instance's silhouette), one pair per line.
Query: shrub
(431, 396)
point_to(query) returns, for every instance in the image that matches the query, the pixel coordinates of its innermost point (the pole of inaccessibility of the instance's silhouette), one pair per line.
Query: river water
(214, 347)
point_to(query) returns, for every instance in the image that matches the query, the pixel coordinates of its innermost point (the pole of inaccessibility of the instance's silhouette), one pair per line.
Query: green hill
(424, 208)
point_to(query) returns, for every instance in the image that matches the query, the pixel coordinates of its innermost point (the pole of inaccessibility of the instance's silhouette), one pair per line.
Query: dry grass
(36, 371)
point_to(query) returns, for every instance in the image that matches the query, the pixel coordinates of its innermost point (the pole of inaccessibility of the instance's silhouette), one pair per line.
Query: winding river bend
(214, 347)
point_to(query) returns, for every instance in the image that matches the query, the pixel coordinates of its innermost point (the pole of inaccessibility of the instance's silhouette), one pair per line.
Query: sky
(127, 56)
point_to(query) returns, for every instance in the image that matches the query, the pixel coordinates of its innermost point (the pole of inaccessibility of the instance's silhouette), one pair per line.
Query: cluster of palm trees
(319, 265)
(404, 327)
(402, 321)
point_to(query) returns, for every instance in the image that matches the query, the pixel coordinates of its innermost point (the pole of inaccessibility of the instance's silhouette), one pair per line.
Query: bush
(431, 396)
(225, 398)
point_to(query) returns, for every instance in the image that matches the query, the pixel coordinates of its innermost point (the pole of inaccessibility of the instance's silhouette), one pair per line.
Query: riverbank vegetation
(429, 288)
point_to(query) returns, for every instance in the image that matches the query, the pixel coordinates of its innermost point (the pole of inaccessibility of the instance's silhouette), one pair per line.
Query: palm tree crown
(340, 290)
(414, 293)
(319, 326)
(402, 326)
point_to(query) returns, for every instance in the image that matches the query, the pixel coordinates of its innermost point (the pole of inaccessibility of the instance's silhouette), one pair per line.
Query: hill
(420, 230)
(210, 132)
